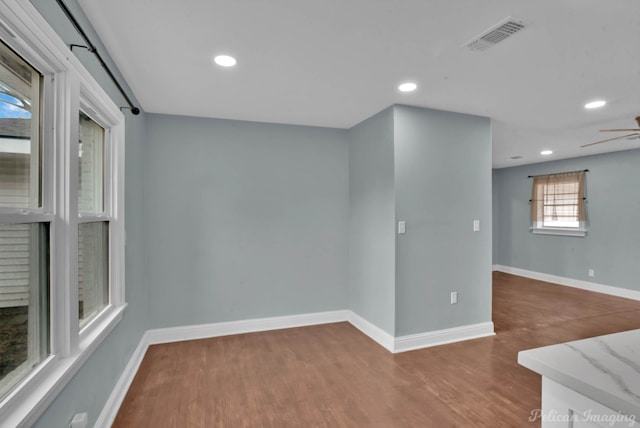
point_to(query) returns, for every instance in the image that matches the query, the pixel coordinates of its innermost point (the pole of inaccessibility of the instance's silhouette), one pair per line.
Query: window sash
(93, 270)
(24, 283)
(24, 82)
(92, 180)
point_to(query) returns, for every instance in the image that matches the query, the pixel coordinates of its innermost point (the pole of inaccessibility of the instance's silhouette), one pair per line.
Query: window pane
(91, 152)
(24, 300)
(93, 269)
(20, 86)
(561, 204)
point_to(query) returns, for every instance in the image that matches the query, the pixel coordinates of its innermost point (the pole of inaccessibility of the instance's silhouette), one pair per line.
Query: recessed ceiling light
(546, 152)
(225, 60)
(407, 87)
(595, 104)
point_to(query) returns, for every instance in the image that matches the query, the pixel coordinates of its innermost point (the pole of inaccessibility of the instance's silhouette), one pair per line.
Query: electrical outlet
(454, 297)
(591, 273)
(80, 420)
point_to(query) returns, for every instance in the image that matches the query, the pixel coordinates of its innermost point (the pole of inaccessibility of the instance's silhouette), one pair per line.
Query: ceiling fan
(635, 134)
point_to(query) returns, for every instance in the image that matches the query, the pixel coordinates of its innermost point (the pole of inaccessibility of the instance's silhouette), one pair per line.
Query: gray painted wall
(244, 220)
(91, 386)
(371, 221)
(612, 244)
(495, 211)
(442, 184)
(231, 220)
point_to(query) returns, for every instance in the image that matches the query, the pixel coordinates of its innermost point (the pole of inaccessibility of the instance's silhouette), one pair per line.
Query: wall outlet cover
(80, 420)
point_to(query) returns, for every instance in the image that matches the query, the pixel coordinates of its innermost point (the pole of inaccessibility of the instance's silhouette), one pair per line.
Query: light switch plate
(402, 227)
(476, 225)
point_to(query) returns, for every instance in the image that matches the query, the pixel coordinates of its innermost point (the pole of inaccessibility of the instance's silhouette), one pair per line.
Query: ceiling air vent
(503, 29)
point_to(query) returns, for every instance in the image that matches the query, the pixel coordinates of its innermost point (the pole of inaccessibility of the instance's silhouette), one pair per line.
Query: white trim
(204, 331)
(374, 332)
(443, 337)
(570, 282)
(65, 81)
(23, 406)
(111, 407)
(562, 231)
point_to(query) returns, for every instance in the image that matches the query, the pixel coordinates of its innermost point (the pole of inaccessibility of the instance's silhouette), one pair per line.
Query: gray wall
(91, 386)
(612, 244)
(495, 211)
(442, 184)
(231, 220)
(244, 220)
(371, 221)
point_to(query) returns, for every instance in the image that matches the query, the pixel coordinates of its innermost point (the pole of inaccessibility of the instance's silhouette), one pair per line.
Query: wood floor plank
(334, 376)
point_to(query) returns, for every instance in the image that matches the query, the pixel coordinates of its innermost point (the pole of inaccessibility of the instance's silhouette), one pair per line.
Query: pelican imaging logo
(606, 419)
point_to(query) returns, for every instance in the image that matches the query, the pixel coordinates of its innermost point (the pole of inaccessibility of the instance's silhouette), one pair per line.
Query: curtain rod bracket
(134, 110)
(91, 48)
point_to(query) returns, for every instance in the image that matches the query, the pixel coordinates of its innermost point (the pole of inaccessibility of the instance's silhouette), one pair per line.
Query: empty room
(289, 213)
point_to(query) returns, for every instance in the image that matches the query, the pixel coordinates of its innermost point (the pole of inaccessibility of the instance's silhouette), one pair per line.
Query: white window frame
(539, 228)
(564, 231)
(68, 88)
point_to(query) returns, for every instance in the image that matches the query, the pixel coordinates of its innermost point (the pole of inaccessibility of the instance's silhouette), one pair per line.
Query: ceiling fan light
(595, 104)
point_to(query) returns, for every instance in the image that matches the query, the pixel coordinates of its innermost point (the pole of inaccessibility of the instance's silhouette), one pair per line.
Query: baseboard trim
(443, 337)
(111, 407)
(374, 332)
(204, 331)
(570, 282)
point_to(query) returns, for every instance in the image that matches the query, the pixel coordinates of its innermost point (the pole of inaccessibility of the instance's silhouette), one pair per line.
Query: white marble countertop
(605, 369)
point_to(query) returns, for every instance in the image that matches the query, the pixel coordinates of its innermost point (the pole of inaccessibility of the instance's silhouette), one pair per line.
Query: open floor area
(334, 376)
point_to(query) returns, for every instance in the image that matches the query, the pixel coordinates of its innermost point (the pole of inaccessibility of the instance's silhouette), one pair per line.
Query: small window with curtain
(558, 204)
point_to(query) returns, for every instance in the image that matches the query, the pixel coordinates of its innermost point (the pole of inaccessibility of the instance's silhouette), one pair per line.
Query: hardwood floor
(334, 376)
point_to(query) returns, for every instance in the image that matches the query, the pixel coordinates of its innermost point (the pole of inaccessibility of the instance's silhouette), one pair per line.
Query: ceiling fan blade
(612, 139)
(619, 130)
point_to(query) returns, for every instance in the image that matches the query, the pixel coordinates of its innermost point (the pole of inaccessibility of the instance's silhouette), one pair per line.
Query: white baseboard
(570, 282)
(374, 332)
(203, 331)
(442, 337)
(111, 407)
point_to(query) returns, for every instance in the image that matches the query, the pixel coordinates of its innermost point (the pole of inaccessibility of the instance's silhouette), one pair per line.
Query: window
(61, 214)
(24, 243)
(93, 272)
(93, 236)
(558, 204)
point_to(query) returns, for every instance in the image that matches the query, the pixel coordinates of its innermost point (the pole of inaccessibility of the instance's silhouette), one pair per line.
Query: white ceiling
(335, 63)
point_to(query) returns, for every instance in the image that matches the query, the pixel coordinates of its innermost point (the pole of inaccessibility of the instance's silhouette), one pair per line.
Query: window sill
(24, 405)
(558, 231)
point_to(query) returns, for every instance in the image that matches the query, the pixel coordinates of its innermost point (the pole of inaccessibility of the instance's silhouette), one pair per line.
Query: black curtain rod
(584, 199)
(91, 48)
(531, 176)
